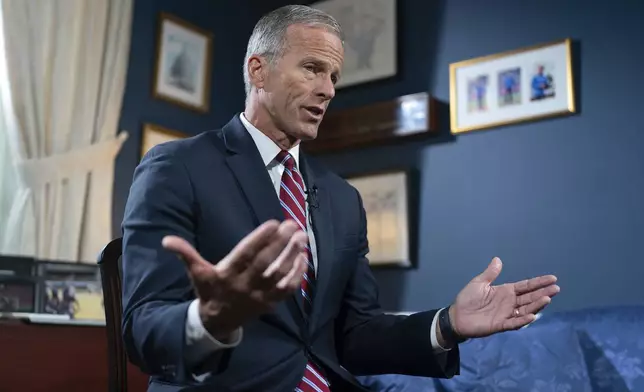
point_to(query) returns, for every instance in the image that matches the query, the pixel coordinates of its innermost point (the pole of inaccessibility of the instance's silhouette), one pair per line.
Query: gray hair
(269, 35)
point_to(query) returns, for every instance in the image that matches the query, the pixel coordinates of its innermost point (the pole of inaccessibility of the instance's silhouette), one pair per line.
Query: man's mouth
(315, 111)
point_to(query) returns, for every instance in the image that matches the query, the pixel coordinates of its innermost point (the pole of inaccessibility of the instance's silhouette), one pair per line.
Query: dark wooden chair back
(110, 267)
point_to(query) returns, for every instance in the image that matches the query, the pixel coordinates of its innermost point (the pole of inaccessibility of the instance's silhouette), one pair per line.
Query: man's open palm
(481, 309)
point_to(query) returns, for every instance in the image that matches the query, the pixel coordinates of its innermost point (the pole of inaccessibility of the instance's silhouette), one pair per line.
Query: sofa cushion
(398, 383)
(612, 341)
(534, 359)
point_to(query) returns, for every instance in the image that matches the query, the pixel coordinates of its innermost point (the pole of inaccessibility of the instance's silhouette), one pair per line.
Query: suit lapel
(322, 222)
(247, 166)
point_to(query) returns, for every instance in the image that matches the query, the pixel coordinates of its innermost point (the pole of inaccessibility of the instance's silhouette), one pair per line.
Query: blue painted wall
(560, 196)
(231, 25)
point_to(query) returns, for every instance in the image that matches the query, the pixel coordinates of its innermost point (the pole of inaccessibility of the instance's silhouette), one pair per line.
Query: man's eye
(309, 67)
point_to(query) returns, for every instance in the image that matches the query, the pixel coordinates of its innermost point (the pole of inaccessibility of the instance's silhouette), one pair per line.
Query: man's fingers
(272, 250)
(186, 252)
(515, 323)
(549, 291)
(247, 249)
(533, 284)
(534, 307)
(293, 279)
(285, 260)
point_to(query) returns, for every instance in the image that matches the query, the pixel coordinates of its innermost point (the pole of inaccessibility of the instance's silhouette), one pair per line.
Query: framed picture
(370, 29)
(71, 289)
(155, 134)
(512, 87)
(17, 295)
(18, 285)
(77, 299)
(183, 64)
(386, 203)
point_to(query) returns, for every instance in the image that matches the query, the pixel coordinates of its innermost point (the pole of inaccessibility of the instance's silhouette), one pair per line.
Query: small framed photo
(80, 300)
(370, 30)
(156, 134)
(17, 295)
(18, 285)
(183, 64)
(511, 87)
(70, 289)
(386, 202)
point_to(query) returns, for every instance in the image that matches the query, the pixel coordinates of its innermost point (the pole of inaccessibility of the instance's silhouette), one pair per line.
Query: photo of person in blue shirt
(542, 85)
(509, 85)
(477, 94)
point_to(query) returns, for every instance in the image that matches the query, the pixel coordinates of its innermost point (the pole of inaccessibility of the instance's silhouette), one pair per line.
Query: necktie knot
(286, 159)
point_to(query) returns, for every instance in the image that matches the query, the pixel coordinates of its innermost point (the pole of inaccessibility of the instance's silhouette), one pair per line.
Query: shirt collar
(267, 148)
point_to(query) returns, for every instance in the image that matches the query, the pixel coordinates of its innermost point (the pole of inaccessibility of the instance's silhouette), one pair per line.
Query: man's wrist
(446, 327)
(200, 344)
(218, 324)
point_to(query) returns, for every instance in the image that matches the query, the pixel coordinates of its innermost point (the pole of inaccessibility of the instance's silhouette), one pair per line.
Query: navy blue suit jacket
(212, 190)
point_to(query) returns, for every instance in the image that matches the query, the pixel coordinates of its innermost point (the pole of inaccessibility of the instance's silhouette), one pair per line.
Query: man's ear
(257, 68)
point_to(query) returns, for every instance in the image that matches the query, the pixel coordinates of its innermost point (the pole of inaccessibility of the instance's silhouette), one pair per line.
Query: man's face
(297, 89)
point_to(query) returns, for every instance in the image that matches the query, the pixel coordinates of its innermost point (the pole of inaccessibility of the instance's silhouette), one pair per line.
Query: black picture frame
(390, 196)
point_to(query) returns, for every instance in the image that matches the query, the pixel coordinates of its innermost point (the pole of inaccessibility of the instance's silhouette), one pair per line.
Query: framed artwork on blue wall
(183, 64)
(516, 86)
(388, 206)
(370, 32)
(156, 134)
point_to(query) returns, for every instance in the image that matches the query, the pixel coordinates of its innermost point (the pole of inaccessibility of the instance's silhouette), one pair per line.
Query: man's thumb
(186, 252)
(492, 271)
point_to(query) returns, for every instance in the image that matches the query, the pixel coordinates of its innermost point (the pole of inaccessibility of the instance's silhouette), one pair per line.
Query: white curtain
(66, 62)
(9, 183)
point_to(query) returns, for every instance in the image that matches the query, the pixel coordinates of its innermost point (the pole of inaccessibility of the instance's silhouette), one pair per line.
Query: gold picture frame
(182, 71)
(155, 134)
(512, 87)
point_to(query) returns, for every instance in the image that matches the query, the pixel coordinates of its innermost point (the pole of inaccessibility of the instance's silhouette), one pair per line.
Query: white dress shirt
(199, 343)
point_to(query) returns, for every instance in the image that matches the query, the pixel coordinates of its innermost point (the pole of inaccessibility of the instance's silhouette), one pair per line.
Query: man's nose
(326, 88)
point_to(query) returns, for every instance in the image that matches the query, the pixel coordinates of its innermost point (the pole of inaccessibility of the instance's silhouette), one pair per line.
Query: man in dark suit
(275, 292)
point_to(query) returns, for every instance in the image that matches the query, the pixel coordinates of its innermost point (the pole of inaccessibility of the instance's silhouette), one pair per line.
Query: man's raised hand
(264, 268)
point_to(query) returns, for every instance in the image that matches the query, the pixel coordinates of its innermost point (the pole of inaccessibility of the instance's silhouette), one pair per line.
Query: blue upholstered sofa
(598, 350)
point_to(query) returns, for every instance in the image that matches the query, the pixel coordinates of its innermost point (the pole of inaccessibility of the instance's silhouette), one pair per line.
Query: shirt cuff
(199, 343)
(434, 339)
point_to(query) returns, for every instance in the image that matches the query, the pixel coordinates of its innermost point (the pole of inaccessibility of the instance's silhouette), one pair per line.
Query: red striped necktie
(293, 204)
